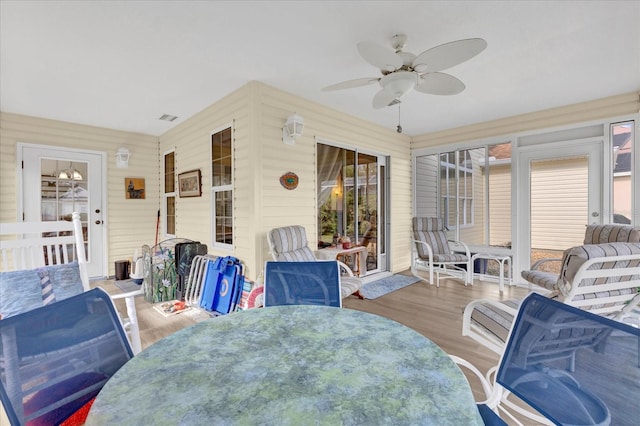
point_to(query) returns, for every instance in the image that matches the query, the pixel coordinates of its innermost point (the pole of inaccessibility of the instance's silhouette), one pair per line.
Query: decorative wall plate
(289, 180)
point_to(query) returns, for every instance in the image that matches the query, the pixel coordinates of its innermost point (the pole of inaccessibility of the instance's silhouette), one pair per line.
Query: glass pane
(622, 155)
(499, 170)
(169, 172)
(366, 231)
(171, 215)
(224, 217)
(63, 192)
(330, 195)
(221, 158)
(427, 185)
(559, 206)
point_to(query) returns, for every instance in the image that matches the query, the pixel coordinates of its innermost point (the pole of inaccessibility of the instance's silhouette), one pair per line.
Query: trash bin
(122, 269)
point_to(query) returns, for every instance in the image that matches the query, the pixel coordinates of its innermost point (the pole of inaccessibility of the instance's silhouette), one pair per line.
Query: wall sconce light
(292, 129)
(122, 158)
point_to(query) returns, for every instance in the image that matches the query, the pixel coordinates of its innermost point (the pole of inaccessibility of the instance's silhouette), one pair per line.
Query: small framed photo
(134, 188)
(189, 184)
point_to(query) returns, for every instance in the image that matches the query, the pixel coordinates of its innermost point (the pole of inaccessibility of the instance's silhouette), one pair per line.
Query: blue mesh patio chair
(55, 359)
(302, 283)
(571, 366)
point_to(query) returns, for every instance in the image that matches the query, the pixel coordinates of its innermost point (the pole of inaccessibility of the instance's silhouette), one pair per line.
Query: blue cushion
(20, 291)
(65, 279)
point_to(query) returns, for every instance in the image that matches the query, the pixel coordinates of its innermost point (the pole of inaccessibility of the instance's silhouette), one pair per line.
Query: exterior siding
(559, 200)
(500, 204)
(130, 223)
(192, 143)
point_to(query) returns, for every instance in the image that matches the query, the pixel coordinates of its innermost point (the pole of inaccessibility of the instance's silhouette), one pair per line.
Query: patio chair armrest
(344, 268)
(466, 316)
(130, 323)
(135, 293)
(541, 262)
(459, 246)
(429, 249)
(491, 392)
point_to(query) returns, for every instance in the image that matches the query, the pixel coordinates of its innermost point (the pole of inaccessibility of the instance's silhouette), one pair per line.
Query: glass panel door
(350, 203)
(57, 183)
(561, 194)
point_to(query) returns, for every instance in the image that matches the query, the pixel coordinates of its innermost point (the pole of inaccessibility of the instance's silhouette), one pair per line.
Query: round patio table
(289, 365)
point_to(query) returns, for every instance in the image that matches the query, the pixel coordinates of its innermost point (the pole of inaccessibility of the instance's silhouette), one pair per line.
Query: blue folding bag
(223, 285)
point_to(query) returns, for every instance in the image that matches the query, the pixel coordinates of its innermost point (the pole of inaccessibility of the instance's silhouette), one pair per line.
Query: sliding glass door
(351, 201)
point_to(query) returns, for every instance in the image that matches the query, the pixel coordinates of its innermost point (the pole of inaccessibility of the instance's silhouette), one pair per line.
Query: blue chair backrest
(302, 283)
(56, 358)
(572, 366)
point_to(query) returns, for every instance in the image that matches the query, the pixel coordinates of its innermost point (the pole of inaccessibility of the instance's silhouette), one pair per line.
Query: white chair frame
(480, 335)
(23, 247)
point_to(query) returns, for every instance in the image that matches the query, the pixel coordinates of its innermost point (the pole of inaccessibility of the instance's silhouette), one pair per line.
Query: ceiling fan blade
(378, 56)
(350, 84)
(448, 55)
(383, 99)
(438, 83)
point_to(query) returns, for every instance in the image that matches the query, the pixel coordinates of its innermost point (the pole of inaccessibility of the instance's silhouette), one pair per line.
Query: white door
(57, 182)
(560, 192)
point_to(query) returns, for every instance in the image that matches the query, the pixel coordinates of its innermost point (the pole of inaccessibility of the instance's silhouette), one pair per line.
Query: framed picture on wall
(189, 184)
(134, 188)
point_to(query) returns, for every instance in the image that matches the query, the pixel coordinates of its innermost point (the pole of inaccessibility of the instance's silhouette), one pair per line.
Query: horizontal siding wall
(192, 143)
(130, 223)
(258, 112)
(559, 203)
(281, 207)
(500, 205)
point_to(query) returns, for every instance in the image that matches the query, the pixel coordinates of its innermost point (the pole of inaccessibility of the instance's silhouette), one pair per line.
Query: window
(170, 194)
(222, 187)
(470, 189)
(456, 188)
(621, 186)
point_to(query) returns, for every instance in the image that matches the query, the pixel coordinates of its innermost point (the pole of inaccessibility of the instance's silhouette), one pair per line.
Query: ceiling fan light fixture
(399, 82)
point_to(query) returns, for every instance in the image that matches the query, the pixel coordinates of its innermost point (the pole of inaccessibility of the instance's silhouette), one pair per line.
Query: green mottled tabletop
(289, 365)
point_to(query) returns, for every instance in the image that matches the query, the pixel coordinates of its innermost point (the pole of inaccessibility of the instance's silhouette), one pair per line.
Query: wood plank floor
(435, 312)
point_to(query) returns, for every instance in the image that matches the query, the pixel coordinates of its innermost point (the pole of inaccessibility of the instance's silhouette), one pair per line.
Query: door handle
(98, 222)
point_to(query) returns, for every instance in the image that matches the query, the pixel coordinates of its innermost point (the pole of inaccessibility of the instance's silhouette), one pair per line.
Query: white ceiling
(122, 65)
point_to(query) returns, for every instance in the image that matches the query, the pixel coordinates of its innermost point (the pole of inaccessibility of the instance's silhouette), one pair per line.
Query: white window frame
(461, 200)
(215, 189)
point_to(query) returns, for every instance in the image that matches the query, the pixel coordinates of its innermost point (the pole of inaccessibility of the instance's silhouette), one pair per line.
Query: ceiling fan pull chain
(399, 128)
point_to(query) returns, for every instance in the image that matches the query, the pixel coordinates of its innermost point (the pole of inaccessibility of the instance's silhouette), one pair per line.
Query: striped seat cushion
(494, 320)
(349, 285)
(576, 256)
(547, 280)
(612, 233)
(290, 244)
(430, 230)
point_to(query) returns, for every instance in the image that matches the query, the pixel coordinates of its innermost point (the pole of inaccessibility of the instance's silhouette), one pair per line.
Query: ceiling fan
(403, 71)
